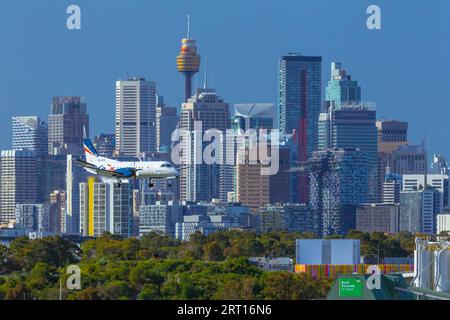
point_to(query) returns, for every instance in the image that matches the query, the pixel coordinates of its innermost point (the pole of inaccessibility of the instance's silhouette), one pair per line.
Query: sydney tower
(188, 61)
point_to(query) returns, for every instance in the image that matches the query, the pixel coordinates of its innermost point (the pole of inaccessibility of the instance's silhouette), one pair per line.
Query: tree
(291, 286)
(41, 276)
(213, 251)
(149, 292)
(237, 288)
(143, 274)
(115, 290)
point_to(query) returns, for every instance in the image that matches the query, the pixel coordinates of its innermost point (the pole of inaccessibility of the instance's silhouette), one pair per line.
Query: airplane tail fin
(89, 151)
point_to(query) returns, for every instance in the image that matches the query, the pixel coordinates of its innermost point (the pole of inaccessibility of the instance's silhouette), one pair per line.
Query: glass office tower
(299, 106)
(353, 126)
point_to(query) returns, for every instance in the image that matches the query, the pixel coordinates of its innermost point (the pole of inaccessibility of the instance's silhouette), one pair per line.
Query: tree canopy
(159, 267)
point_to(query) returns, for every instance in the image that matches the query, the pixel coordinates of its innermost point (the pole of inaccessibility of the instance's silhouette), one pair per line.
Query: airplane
(121, 170)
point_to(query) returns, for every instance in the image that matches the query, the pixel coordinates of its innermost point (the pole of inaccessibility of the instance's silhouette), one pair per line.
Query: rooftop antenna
(188, 26)
(128, 75)
(205, 86)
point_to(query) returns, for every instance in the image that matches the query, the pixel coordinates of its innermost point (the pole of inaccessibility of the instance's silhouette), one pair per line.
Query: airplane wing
(85, 164)
(120, 173)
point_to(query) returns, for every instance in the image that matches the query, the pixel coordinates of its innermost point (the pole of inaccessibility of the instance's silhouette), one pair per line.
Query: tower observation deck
(188, 61)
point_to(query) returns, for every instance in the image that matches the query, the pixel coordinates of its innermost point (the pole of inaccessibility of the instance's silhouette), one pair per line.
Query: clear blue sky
(404, 68)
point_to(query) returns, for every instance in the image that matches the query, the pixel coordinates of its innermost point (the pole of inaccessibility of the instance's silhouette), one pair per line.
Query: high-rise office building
(391, 135)
(410, 159)
(105, 144)
(341, 89)
(353, 126)
(247, 120)
(300, 103)
(419, 210)
(18, 181)
(52, 175)
(284, 217)
(188, 61)
(166, 123)
(57, 211)
(205, 111)
(254, 189)
(75, 175)
(392, 186)
(378, 217)
(66, 125)
(105, 207)
(440, 182)
(338, 182)
(33, 217)
(30, 133)
(159, 218)
(135, 117)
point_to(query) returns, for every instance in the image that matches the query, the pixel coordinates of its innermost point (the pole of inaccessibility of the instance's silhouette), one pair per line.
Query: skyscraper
(66, 125)
(166, 123)
(284, 217)
(255, 189)
(135, 117)
(353, 126)
(105, 207)
(105, 144)
(57, 211)
(392, 186)
(30, 133)
(379, 217)
(410, 159)
(52, 173)
(33, 217)
(254, 116)
(188, 61)
(341, 89)
(300, 99)
(160, 218)
(419, 210)
(201, 181)
(439, 182)
(19, 181)
(75, 175)
(391, 135)
(338, 182)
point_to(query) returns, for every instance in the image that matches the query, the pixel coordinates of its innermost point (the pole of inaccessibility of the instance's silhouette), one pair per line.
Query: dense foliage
(159, 267)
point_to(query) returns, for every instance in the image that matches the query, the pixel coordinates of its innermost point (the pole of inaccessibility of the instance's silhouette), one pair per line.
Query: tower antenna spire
(188, 26)
(205, 86)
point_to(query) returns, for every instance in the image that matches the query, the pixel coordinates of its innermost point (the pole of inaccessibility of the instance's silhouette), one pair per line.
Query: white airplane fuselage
(125, 169)
(144, 169)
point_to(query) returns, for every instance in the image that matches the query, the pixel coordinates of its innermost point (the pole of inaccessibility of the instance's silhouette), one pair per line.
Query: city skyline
(252, 150)
(369, 68)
